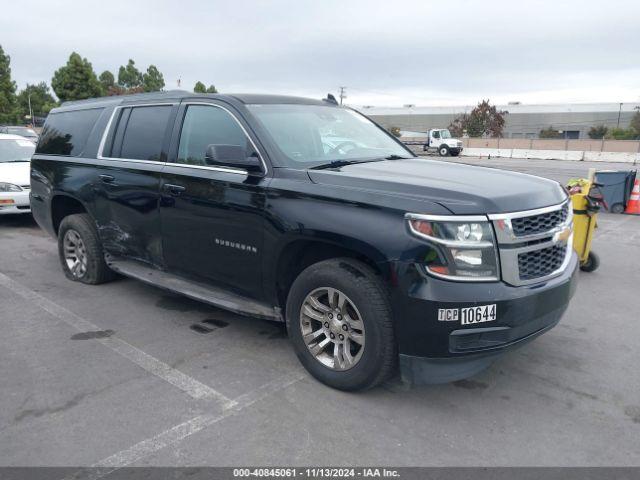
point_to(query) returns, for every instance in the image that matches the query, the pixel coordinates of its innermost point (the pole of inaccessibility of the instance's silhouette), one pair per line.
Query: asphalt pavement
(125, 374)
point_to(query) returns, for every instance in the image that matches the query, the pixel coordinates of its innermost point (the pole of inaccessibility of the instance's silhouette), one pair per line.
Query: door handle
(107, 178)
(174, 189)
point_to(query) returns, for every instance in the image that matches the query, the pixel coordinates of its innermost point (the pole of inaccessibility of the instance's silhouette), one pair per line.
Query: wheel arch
(63, 205)
(299, 253)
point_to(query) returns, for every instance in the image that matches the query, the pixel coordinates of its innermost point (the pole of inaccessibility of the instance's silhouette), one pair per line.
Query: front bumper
(18, 202)
(433, 351)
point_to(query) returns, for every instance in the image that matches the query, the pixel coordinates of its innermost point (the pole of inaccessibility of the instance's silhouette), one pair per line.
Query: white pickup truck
(441, 141)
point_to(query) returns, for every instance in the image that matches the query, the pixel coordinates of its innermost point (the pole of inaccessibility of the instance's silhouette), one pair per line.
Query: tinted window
(205, 125)
(66, 133)
(144, 132)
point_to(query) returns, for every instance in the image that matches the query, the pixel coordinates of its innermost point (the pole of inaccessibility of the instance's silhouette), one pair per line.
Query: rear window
(140, 132)
(66, 133)
(16, 150)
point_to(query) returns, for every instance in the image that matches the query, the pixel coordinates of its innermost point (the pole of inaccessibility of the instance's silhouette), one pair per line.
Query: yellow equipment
(586, 203)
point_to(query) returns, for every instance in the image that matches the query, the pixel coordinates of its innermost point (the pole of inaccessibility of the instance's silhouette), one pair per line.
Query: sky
(389, 53)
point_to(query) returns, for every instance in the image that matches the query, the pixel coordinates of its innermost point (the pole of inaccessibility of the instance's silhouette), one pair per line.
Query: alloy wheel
(75, 253)
(332, 328)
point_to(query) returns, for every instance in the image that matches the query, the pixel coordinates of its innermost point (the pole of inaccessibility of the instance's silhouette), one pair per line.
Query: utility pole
(619, 112)
(342, 94)
(33, 121)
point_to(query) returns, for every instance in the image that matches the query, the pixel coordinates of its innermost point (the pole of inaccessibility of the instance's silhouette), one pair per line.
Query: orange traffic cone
(633, 207)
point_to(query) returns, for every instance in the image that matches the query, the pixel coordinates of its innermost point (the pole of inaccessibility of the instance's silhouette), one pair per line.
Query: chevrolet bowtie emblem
(563, 235)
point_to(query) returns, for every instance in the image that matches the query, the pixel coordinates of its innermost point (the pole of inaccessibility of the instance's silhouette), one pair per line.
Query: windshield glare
(16, 150)
(311, 135)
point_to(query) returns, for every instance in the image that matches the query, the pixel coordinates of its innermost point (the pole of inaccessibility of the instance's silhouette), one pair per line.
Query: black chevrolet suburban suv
(305, 212)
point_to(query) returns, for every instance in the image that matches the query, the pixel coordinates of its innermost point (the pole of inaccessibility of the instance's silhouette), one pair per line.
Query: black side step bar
(197, 291)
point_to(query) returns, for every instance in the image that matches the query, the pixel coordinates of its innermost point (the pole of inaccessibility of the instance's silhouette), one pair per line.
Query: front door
(212, 217)
(435, 139)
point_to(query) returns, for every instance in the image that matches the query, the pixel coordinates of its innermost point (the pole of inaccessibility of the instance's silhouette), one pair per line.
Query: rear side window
(140, 132)
(66, 133)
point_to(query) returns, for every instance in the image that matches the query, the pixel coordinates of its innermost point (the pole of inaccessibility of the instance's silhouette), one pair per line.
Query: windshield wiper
(340, 163)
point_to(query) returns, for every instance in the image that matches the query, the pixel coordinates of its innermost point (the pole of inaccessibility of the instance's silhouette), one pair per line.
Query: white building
(523, 121)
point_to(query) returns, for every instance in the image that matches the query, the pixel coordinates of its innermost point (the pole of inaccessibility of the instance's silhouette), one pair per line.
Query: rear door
(127, 187)
(212, 217)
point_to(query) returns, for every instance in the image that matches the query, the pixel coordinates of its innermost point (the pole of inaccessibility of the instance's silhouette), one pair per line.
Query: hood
(15, 172)
(462, 189)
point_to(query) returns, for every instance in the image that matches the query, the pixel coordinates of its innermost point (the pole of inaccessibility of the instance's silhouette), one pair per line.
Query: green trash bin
(616, 186)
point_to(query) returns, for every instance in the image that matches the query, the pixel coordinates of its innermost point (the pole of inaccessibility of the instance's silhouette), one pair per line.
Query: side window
(66, 133)
(436, 134)
(141, 132)
(206, 125)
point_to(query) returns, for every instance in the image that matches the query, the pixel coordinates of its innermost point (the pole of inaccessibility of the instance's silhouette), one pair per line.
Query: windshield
(445, 134)
(312, 135)
(16, 150)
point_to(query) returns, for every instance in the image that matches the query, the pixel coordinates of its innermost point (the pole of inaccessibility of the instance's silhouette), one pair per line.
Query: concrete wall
(626, 151)
(629, 146)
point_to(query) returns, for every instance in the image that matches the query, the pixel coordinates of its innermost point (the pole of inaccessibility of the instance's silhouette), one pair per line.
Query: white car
(15, 159)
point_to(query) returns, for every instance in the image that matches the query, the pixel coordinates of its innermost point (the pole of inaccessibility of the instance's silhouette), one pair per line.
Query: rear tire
(367, 355)
(80, 251)
(592, 263)
(443, 151)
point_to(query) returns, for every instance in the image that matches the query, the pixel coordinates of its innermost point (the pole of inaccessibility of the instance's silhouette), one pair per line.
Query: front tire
(340, 324)
(80, 251)
(443, 151)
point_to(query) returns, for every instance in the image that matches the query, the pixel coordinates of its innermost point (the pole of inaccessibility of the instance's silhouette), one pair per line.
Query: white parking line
(184, 382)
(179, 432)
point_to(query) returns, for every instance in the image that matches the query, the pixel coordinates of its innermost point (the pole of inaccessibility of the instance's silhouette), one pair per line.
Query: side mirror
(234, 156)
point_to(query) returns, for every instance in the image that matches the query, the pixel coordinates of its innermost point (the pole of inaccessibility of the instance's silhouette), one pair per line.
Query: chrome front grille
(534, 245)
(540, 263)
(543, 222)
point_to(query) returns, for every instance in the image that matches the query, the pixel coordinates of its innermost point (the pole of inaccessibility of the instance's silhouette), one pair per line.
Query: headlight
(9, 187)
(464, 247)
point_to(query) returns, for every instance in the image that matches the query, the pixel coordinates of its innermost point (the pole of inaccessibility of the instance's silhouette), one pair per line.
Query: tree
(622, 134)
(129, 76)
(152, 81)
(485, 120)
(41, 100)
(635, 122)
(550, 133)
(597, 132)
(76, 80)
(7, 90)
(200, 88)
(107, 80)
(395, 131)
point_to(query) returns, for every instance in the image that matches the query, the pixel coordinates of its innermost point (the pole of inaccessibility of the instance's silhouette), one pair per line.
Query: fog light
(7, 201)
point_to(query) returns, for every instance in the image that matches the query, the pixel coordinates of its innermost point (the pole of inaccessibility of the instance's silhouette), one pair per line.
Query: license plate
(472, 315)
